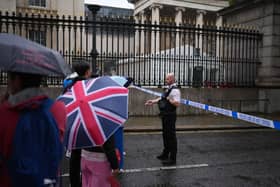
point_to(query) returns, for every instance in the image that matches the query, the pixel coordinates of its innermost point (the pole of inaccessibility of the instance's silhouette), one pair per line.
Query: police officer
(169, 102)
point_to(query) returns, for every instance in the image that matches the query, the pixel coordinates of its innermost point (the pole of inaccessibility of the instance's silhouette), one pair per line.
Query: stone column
(219, 23)
(137, 34)
(155, 34)
(219, 49)
(178, 21)
(142, 33)
(268, 74)
(199, 17)
(199, 22)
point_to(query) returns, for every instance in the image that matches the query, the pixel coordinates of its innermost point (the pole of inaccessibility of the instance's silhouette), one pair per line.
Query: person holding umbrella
(32, 125)
(25, 100)
(95, 163)
(81, 71)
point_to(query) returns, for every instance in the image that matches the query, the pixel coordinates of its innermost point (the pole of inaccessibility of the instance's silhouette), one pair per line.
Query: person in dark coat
(81, 72)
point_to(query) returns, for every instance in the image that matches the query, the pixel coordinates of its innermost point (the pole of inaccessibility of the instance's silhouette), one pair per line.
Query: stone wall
(8, 6)
(238, 99)
(265, 16)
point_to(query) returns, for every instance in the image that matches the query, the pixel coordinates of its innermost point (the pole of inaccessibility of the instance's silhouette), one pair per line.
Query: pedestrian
(97, 164)
(100, 165)
(168, 104)
(81, 71)
(31, 132)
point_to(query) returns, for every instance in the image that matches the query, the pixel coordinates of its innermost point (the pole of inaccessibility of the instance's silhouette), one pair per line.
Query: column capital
(219, 15)
(180, 9)
(199, 11)
(142, 16)
(155, 5)
(219, 21)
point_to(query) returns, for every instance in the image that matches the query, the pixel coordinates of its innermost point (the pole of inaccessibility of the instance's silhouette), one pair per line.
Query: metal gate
(147, 52)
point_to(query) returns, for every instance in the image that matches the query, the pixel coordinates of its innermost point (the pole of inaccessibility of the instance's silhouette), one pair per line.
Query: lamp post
(94, 9)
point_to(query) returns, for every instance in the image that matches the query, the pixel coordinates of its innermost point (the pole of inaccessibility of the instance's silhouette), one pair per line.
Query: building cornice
(194, 4)
(241, 6)
(36, 11)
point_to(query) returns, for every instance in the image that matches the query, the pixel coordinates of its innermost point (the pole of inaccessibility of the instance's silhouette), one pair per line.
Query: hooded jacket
(10, 111)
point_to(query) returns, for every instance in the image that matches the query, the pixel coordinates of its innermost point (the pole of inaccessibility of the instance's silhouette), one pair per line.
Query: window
(41, 3)
(106, 11)
(38, 36)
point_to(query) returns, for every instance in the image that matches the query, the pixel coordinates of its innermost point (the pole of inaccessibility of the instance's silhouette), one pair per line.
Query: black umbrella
(18, 54)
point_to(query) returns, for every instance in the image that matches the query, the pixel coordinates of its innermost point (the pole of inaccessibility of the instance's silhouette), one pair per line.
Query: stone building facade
(265, 16)
(198, 12)
(47, 8)
(54, 7)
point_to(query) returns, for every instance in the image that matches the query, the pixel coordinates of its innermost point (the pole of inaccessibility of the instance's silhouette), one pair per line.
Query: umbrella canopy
(123, 81)
(96, 108)
(21, 55)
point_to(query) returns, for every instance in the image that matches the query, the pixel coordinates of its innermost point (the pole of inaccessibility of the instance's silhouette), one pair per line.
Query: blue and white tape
(236, 115)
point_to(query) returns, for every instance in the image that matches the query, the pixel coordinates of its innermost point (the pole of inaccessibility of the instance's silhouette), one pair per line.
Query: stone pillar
(178, 21)
(219, 49)
(142, 33)
(155, 34)
(137, 34)
(219, 23)
(268, 74)
(199, 17)
(199, 22)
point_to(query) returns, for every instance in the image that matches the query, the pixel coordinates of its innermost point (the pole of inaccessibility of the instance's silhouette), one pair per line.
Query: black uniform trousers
(169, 135)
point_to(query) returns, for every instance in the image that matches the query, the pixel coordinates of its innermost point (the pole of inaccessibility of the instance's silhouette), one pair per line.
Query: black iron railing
(197, 55)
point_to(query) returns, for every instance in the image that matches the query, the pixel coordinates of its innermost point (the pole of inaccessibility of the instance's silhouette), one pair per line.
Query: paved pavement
(194, 122)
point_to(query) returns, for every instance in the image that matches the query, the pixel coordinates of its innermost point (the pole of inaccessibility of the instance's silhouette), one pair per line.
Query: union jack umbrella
(96, 108)
(123, 81)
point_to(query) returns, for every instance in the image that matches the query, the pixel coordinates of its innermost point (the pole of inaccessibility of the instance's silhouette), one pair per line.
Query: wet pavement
(194, 122)
(229, 152)
(246, 157)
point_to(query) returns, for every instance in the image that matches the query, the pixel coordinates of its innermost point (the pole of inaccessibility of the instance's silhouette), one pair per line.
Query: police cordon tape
(236, 115)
